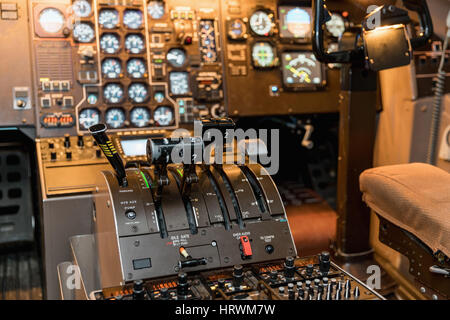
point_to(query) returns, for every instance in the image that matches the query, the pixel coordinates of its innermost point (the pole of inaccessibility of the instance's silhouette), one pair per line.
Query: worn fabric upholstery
(415, 197)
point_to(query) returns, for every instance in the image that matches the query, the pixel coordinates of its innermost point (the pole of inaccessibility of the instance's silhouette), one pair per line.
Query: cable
(437, 104)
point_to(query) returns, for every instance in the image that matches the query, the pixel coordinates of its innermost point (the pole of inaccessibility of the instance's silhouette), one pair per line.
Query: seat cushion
(415, 197)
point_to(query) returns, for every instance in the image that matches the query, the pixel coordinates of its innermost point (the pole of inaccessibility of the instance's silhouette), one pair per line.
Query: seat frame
(420, 257)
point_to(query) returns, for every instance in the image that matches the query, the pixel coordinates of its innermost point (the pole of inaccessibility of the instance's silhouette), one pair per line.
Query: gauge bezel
(164, 6)
(275, 55)
(118, 21)
(123, 93)
(124, 124)
(244, 36)
(283, 38)
(83, 17)
(173, 119)
(345, 25)
(137, 10)
(150, 118)
(186, 58)
(303, 86)
(141, 36)
(147, 98)
(121, 68)
(271, 15)
(186, 94)
(118, 37)
(129, 75)
(86, 23)
(39, 30)
(88, 108)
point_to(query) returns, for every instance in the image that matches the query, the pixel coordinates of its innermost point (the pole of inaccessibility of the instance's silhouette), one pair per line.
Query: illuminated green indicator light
(145, 180)
(180, 172)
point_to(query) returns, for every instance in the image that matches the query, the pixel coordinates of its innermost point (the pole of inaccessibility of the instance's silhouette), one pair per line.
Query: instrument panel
(160, 64)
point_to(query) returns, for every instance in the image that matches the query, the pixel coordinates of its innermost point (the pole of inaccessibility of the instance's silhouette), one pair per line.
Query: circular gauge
(83, 32)
(138, 92)
(155, 9)
(336, 26)
(92, 98)
(108, 18)
(263, 54)
(136, 68)
(110, 43)
(111, 68)
(261, 23)
(164, 116)
(113, 93)
(133, 19)
(134, 43)
(159, 96)
(301, 69)
(140, 117)
(237, 29)
(176, 57)
(88, 118)
(81, 8)
(115, 118)
(51, 20)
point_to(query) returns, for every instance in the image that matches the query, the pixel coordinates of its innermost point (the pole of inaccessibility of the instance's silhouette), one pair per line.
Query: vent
(54, 60)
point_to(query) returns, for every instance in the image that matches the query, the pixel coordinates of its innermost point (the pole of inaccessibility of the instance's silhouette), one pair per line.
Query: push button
(246, 248)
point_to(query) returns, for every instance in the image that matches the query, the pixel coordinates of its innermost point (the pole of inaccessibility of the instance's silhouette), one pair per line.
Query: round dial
(237, 29)
(113, 93)
(134, 43)
(111, 68)
(138, 92)
(140, 117)
(136, 68)
(83, 32)
(92, 98)
(263, 55)
(81, 8)
(261, 23)
(176, 57)
(164, 116)
(159, 96)
(336, 26)
(110, 43)
(108, 18)
(133, 19)
(88, 118)
(115, 118)
(155, 9)
(51, 20)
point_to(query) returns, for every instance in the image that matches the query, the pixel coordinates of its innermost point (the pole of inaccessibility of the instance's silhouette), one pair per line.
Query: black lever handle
(98, 131)
(421, 7)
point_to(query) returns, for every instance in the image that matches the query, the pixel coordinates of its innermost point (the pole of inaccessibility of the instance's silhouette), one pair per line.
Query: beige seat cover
(415, 197)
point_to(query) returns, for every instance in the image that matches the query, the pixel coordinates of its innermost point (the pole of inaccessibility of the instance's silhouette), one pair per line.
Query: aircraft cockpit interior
(228, 150)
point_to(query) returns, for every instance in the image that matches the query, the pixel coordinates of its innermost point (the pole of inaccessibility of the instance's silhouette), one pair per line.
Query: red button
(246, 247)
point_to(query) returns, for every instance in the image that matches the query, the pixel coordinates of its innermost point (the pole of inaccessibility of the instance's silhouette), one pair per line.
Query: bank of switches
(310, 278)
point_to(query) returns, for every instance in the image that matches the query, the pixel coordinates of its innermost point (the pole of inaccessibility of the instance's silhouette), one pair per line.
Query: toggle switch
(246, 248)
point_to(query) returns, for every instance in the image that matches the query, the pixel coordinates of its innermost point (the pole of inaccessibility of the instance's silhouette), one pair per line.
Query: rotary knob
(138, 290)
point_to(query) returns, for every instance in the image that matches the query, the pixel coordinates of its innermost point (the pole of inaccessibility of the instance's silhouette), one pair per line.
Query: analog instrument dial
(164, 116)
(179, 83)
(83, 32)
(138, 92)
(263, 55)
(115, 118)
(108, 18)
(176, 57)
(156, 9)
(261, 23)
(134, 43)
(111, 68)
(159, 96)
(88, 117)
(51, 20)
(113, 93)
(81, 8)
(140, 117)
(133, 19)
(110, 43)
(136, 68)
(336, 26)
